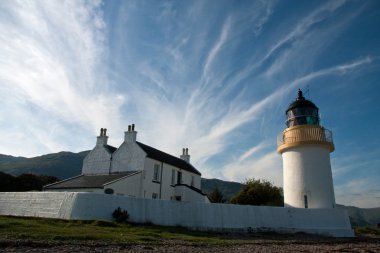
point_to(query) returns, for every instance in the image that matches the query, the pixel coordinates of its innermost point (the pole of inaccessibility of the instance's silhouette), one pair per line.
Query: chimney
(130, 136)
(185, 155)
(102, 139)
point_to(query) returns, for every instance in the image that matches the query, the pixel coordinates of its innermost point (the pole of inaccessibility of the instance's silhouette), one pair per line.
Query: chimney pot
(129, 128)
(133, 127)
(101, 132)
(105, 131)
(185, 155)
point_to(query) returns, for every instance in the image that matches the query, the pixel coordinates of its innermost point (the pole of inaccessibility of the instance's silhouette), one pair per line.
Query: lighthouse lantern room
(305, 147)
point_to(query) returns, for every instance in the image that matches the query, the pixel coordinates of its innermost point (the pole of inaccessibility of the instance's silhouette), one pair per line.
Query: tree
(24, 182)
(259, 193)
(216, 196)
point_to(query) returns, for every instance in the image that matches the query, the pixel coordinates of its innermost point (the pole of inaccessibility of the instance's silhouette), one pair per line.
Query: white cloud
(51, 55)
(267, 166)
(362, 192)
(305, 24)
(217, 47)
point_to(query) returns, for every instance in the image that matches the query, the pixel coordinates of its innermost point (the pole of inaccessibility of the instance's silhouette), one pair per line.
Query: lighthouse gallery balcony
(304, 134)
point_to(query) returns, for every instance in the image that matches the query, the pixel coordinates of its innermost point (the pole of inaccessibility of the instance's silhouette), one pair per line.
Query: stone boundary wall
(199, 216)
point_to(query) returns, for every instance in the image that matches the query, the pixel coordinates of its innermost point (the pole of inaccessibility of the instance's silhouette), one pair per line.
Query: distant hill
(66, 164)
(9, 158)
(362, 216)
(228, 189)
(61, 165)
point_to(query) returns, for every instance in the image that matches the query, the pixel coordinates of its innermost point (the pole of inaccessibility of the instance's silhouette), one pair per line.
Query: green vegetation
(103, 231)
(368, 231)
(259, 192)
(216, 196)
(41, 229)
(24, 182)
(228, 189)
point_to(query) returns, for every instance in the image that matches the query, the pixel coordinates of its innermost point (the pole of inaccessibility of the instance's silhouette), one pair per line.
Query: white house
(137, 170)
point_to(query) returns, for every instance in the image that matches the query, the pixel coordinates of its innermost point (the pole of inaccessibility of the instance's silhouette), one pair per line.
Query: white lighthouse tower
(305, 147)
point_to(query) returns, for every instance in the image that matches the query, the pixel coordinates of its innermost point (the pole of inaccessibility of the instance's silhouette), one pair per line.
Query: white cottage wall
(167, 191)
(129, 186)
(150, 185)
(128, 157)
(163, 187)
(188, 195)
(98, 161)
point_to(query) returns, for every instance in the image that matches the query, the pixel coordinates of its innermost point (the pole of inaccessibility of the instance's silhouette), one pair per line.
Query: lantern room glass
(302, 116)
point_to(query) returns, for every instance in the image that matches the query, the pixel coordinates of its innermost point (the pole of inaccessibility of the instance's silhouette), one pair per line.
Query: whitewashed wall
(166, 190)
(307, 171)
(128, 157)
(188, 194)
(333, 222)
(98, 161)
(129, 186)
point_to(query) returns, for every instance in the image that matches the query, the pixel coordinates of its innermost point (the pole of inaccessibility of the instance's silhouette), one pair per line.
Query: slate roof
(192, 188)
(88, 181)
(166, 158)
(110, 149)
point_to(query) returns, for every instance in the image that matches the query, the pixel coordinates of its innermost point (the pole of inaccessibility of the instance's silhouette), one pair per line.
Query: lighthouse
(305, 147)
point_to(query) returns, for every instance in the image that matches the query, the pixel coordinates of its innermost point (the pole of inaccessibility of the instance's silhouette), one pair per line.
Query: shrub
(104, 223)
(259, 193)
(120, 215)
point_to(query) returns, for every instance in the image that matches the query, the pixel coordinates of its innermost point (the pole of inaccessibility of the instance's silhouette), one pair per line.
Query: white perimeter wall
(201, 216)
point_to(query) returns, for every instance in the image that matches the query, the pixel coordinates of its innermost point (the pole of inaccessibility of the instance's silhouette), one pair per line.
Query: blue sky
(213, 76)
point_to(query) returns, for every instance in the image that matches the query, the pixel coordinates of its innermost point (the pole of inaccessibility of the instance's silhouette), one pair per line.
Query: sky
(213, 76)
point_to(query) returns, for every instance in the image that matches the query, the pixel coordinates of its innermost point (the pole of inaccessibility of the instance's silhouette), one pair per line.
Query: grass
(42, 229)
(96, 230)
(368, 231)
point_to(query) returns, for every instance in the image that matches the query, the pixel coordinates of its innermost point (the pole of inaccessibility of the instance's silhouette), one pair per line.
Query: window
(109, 191)
(305, 200)
(156, 173)
(179, 177)
(154, 195)
(173, 177)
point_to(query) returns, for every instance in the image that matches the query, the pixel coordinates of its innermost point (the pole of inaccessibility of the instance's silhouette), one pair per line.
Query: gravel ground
(260, 245)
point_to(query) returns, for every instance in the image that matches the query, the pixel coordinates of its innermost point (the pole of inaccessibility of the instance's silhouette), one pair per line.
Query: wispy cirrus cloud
(51, 56)
(363, 192)
(211, 77)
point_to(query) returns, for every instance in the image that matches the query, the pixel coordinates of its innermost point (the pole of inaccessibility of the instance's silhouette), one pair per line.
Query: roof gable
(88, 181)
(166, 158)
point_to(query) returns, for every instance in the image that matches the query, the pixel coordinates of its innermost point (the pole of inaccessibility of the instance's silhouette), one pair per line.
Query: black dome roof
(301, 102)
